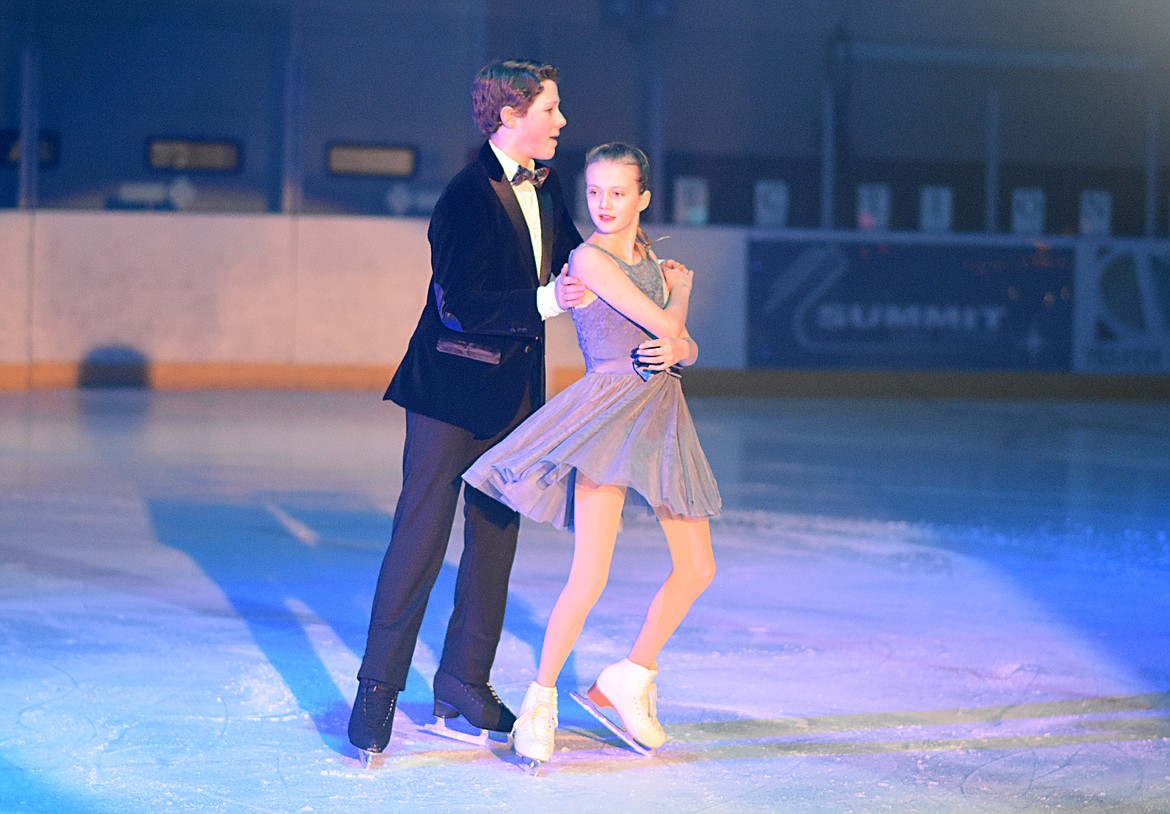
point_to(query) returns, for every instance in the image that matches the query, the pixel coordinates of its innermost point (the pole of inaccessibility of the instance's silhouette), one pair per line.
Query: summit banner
(842, 304)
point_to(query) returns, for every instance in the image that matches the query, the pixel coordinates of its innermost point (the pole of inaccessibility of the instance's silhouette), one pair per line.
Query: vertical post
(828, 156)
(652, 112)
(476, 32)
(292, 163)
(991, 179)
(657, 134)
(645, 23)
(30, 131)
(1151, 165)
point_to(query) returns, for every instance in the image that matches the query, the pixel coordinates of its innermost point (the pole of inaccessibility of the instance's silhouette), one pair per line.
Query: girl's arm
(664, 353)
(601, 275)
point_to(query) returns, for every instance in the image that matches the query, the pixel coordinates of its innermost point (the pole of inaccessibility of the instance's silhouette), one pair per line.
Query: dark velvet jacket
(480, 340)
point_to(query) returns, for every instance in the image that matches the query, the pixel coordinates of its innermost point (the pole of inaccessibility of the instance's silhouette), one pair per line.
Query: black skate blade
(616, 729)
(370, 760)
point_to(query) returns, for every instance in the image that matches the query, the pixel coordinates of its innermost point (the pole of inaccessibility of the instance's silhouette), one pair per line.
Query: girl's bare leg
(628, 686)
(692, 569)
(597, 515)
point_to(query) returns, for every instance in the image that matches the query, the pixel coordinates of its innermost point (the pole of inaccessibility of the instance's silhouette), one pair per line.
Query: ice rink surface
(921, 606)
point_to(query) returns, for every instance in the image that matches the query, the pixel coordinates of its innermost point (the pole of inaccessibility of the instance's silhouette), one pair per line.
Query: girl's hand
(662, 354)
(678, 277)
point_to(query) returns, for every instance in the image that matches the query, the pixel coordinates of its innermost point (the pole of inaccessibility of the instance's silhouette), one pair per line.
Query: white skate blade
(531, 765)
(616, 729)
(482, 738)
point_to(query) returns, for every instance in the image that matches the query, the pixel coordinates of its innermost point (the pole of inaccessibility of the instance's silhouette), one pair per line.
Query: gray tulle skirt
(614, 429)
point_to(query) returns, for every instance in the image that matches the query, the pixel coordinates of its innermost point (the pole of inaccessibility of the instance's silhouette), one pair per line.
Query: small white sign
(1027, 211)
(399, 198)
(182, 193)
(1096, 212)
(143, 193)
(771, 204)
(936, 208)
(873, 207)
(690, 200)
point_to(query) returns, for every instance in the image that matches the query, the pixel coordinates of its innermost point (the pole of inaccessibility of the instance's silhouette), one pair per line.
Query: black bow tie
(524, 174)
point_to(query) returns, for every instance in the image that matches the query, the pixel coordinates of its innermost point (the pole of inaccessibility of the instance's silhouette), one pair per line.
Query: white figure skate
(629, 690)
(533, 735)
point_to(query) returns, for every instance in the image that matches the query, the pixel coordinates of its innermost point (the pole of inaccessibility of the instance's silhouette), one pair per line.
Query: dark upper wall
(742, 78)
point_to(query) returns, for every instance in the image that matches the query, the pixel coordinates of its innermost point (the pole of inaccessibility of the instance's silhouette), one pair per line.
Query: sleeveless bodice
(607, 338)
(610, 427)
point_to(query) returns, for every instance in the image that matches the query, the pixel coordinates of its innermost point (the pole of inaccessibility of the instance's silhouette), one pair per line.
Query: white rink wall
(328, 302)
(268, 300)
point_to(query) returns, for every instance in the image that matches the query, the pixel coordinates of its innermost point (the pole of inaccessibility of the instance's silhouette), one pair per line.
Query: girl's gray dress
(611, 426)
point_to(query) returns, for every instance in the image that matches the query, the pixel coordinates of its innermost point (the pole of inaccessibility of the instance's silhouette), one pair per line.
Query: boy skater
(474, 369)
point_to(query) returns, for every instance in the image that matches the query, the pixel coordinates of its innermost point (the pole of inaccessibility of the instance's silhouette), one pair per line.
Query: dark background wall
(740, 90)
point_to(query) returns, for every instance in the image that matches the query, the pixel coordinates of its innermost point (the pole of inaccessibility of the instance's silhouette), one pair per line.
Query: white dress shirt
(546, 298)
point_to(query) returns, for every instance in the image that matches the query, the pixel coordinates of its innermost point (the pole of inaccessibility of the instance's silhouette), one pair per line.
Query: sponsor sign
(1123, 308)
(872, 305)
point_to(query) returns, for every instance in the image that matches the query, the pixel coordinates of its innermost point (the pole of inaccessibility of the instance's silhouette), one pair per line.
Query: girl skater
(624, 425)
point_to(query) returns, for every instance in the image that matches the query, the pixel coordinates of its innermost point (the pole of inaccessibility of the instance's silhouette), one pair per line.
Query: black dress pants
(435, 456)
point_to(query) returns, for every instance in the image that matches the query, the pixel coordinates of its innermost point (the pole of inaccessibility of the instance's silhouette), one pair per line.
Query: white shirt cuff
(546, 300)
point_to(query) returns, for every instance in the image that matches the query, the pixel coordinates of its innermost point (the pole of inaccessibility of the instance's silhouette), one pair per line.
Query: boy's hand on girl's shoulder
(571, 292)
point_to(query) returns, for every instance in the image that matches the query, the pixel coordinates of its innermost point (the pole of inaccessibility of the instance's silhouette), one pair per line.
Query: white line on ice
(295, 527)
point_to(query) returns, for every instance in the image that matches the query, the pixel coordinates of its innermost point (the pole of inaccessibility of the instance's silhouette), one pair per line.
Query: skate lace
(544, 718)
(374, 689)
(486, 694)
(648, 703)
(490, 691)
